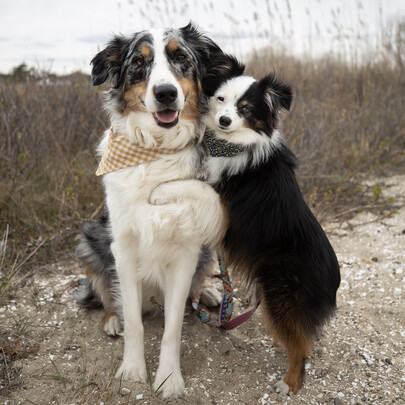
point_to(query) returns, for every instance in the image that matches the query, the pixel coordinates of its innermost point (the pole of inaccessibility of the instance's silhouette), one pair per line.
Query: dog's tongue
(166, 116)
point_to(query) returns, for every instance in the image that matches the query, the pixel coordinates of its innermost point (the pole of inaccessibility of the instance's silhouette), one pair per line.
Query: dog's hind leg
(178, 277)
(286, 328)
(210, 296)
(112, 323)
(106, 287)
(103, 288)
(298, 349)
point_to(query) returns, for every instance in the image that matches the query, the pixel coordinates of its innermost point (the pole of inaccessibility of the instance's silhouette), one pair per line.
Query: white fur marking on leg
(281, 387)
(113, 326)
(197, 197)
(173, 387)
(132, 372)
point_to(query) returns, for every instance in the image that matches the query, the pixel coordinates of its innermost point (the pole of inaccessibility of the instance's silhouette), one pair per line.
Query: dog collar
(220, 147)
(120, 154)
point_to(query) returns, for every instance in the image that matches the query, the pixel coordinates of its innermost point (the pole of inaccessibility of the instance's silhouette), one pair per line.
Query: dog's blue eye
(221, 99)
(245, 109)
(180, 57)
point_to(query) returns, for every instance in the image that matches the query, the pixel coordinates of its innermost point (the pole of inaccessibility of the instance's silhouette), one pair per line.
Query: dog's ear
(204, 46)
(278, 95)
(219, 69)
(215, 66)
(109, 63)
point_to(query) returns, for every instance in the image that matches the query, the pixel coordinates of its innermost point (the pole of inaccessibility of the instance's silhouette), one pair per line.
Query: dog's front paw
(158, 196)
(164, 194)
(210, 297)
(132, 371)
(171, 385)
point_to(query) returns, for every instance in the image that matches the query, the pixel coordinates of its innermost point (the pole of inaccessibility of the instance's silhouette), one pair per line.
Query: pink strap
(238, 320)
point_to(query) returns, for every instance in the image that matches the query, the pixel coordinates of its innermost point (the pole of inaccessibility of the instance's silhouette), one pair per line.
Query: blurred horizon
(63, 37)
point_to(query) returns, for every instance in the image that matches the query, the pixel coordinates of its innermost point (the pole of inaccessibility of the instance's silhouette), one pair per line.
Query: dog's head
(243, 110)
(155, 78)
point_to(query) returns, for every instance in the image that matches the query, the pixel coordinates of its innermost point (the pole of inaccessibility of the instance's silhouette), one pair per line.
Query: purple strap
(226, 309)
(238, 320)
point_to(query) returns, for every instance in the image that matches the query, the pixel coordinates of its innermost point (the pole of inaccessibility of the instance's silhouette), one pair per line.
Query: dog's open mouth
(166, 118)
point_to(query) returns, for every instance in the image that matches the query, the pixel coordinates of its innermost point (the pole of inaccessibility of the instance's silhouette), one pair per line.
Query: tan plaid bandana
(120, 153)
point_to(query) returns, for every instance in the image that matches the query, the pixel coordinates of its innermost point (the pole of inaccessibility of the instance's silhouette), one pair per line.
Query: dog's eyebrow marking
(145, 50)
(138, 40)
(173, 45)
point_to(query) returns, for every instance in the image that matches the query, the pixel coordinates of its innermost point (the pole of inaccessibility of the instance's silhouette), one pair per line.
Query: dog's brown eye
(180, 57)
(139, 61)
(221, 99)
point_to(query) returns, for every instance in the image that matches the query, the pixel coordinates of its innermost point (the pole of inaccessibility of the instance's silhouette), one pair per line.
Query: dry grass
(48, 132)
(347, 124)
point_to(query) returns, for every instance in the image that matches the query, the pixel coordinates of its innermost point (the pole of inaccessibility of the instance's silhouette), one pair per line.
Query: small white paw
(162, 194)
(133, 371)
(157, 197)
(113, 326)
(281, 387)
(210, 297)
(173, 387)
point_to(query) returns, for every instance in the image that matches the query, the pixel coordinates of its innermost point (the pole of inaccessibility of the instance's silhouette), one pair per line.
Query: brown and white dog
(141, 249)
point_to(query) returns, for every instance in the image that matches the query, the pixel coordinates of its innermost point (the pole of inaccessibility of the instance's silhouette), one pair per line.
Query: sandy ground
(58, 353)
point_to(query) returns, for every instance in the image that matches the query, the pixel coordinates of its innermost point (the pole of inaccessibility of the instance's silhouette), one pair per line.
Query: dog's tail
(94, 250)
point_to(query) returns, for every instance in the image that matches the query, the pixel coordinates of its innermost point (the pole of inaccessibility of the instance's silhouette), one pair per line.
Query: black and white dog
(144, 250)
(272, 238)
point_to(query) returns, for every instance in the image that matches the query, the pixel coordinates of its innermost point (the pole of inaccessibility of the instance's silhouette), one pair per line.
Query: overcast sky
(65, 35)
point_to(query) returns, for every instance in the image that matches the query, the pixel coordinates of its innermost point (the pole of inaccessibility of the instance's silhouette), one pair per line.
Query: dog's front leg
(177, 285)
(133, 366)
(179, 189)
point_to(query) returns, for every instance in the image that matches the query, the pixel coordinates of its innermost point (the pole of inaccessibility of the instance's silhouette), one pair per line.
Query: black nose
(224, 121)
(165, 93)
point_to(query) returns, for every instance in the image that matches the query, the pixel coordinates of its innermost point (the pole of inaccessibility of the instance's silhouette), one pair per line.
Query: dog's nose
(165, 93)
(224, 121)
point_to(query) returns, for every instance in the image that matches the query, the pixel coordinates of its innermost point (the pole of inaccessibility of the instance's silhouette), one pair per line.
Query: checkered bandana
(120, 153)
